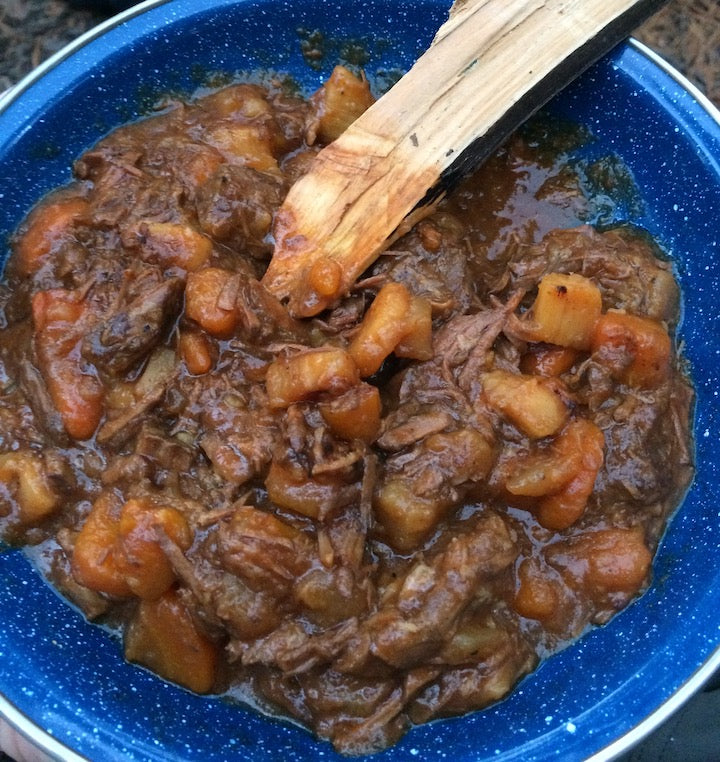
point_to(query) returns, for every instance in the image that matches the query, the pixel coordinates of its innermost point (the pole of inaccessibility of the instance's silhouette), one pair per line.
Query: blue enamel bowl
(64, 683)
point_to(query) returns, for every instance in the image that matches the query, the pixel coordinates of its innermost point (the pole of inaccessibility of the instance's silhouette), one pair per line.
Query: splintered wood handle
(491, 65)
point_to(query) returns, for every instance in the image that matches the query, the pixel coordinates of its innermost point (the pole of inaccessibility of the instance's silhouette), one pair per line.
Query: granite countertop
(685, 32)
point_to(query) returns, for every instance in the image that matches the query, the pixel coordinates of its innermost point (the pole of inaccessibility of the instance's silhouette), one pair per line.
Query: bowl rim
(44, 740)
(696, 681)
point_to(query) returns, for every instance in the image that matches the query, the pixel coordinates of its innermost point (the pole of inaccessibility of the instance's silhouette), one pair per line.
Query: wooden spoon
(491, 65)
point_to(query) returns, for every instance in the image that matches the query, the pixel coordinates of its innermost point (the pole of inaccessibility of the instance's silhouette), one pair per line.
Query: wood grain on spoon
(491, 65)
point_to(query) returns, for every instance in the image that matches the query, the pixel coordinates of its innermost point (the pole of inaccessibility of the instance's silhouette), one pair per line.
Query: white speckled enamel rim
(43, 740)
(705, 672)
(50, 63)
(662, 713)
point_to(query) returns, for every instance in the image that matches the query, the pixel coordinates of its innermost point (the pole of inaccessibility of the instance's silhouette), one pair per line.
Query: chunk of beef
(411, 626)
(147, 391)
(291, 115)
(432, 262)
(187, 161)
(236, 206)
(465, 340)
(91, 603)
(623, 263)
(223, 599)
(124, 154)
(38, 397)
(119, 341)
(641, 439)
(474, 686)
(262, 317)
(240, 433)
(407, 431)
(295, 649)
(116, 181)
(313, 472)
(266, 552)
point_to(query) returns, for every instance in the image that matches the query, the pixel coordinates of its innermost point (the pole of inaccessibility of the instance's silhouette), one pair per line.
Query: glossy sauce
(381, 516)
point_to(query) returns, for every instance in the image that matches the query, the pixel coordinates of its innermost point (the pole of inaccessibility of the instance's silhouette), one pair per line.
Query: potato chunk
(409, 512)
(23, 473)
(533, 404)
(406, 517)
(565, 310)
(292, 379)
(328, 597)
(172, 243)
(247, 144)
(382, 328)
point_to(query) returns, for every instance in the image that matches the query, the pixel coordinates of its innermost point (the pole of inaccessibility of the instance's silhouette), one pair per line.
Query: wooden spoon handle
(491, 65)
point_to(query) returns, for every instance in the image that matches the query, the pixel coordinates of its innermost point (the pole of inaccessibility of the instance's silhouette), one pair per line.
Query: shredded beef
(384, 515)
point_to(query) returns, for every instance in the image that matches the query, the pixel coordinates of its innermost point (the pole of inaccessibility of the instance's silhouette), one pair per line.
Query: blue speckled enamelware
(65, 683)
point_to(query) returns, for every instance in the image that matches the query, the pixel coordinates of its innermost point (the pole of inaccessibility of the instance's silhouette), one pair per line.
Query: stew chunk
(376, 517)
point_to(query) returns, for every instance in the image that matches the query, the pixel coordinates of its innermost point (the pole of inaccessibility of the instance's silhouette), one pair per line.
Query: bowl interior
(69, 678)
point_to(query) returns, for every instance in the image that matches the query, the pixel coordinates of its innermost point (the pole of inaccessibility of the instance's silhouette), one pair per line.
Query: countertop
(685, 32)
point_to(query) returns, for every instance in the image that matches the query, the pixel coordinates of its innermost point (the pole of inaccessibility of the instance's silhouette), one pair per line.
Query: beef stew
(374, 518)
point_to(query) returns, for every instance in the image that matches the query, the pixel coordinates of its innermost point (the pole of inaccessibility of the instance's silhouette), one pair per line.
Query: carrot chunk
(547, 360)
(140, 557)
(49, 225)
(354, 414)
(309, 496)
(637, 349)
(163, 636)
(95, 561)
(194, 348)
(339, 102)
(416, 342)
(205, 302)
(536, 596)
(562, 476)
(604, 561)
(76, 392)
(117, 551)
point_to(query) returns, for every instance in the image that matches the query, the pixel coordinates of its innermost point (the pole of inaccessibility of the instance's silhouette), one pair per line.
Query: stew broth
(367, 520)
